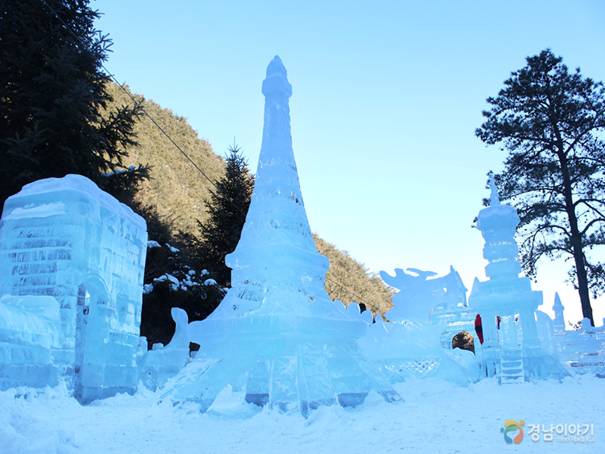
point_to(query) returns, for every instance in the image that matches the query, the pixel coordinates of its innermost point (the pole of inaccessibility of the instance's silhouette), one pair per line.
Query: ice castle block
(67, 239)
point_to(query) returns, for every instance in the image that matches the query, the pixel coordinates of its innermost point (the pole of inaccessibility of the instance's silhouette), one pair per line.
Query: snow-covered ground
(436, 417)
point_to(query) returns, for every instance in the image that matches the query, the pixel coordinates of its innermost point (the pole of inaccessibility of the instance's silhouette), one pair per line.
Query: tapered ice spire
(276, 244)
(559, 322)
(276, 335)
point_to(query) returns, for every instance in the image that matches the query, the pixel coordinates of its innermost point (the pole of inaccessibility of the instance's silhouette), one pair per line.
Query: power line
(163, 131)
(176, 145)
(136, 102)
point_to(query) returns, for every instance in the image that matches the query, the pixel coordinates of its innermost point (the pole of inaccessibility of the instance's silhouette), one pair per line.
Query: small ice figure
(163, 362)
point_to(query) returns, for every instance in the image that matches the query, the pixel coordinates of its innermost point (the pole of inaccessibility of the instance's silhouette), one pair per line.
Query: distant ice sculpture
(581, 350)
(422, 295)
(404, 350)
(416, 341)
(507, 304)
(276, 338)
(65, 240)
(559, 321)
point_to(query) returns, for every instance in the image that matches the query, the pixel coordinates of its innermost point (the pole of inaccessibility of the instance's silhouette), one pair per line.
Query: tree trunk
(576, 242)
(575, 236)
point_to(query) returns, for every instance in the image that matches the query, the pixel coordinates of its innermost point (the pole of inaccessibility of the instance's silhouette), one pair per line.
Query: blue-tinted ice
(71, 269)
(277, 336)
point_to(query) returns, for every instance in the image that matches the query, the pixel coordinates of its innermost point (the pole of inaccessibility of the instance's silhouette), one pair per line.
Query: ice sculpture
(506, 302)
(559, 321)
(416, 342)
(163, 362)
(545, 328)
(65, 238)
(582, 350)
(276, 338)
(421, 294)
(404, 350)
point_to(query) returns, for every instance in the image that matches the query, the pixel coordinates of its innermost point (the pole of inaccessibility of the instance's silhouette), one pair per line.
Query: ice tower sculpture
(559, 321)
(66, 240)
(506, 302)
(276, 338)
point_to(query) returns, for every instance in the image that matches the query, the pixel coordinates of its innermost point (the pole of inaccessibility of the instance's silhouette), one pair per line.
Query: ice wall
(411, 350)
(30, 329)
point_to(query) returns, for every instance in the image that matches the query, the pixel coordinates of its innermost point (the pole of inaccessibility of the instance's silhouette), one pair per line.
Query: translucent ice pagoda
(507, 304)
(71, 264)
(276, 338)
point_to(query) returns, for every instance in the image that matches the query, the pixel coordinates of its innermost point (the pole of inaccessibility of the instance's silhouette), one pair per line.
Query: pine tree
(168, 260)
(552, 121)
(54, 99)
(227, 211)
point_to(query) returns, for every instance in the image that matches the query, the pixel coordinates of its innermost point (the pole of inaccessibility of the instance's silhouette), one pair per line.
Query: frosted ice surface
(68, 241)
(30, 328)
(276, 336)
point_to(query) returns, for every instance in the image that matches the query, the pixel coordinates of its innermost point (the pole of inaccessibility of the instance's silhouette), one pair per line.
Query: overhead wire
(331, 280)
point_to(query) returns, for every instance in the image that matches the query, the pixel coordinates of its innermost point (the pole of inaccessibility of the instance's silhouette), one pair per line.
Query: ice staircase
(511, 352)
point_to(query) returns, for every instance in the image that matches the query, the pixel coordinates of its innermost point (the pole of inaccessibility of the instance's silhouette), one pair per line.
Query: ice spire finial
(277, 213)
(276, 66)
(494, 197)
(276, 83)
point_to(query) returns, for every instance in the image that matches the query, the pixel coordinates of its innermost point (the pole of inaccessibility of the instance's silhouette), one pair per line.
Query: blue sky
(386, 98)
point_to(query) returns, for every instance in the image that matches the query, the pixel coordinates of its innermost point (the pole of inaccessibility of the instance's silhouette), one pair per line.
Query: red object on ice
(479, 328)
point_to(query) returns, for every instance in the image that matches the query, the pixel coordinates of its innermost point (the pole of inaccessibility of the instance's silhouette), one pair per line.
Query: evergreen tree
(54, 98)
(552, 121)
(172, 280)
(227, 213)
